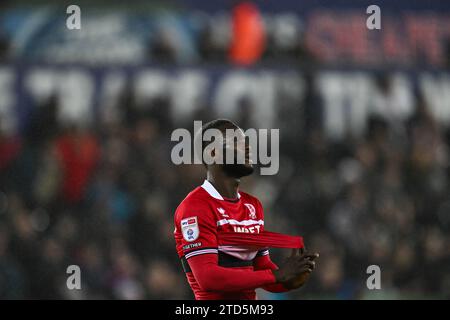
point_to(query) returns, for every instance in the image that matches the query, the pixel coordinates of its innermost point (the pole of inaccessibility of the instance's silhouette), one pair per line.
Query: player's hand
(302, 277)
(296, 269)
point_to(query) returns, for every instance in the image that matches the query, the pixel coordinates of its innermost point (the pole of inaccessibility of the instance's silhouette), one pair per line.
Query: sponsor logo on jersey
(254, 229)
(192, 246)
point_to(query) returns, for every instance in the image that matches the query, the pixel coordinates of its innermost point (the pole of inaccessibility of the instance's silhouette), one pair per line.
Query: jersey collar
(213, 191)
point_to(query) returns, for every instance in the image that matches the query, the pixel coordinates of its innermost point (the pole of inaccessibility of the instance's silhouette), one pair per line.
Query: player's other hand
(295, 271)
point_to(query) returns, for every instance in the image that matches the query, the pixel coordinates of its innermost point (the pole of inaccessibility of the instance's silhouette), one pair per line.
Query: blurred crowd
(103, 196)
(241, 34)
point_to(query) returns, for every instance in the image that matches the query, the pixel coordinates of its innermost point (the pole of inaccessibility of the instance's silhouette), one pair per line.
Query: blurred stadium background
(86, 117)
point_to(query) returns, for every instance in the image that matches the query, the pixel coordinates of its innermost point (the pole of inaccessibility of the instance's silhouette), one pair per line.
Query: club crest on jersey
(251, 209)
(189, 229)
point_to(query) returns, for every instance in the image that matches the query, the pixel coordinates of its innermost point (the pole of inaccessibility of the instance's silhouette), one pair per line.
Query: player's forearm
(212, 277)
(275, 288)
(264, 262)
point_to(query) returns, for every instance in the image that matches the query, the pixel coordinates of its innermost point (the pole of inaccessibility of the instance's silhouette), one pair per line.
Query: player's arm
(212, 277)
(306, 261)
(199, 230)
(263, 262)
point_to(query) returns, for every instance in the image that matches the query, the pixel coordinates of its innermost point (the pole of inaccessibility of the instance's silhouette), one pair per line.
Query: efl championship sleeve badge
(189, 228)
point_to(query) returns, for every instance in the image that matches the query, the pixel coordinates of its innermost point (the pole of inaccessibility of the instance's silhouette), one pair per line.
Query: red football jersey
(198, 219)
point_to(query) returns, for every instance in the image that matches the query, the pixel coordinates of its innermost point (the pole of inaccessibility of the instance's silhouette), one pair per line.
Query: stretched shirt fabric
(223, 246)
(264, 239)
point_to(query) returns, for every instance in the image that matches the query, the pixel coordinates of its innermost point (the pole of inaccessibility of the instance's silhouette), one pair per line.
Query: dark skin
(296, 269)
(227, 186)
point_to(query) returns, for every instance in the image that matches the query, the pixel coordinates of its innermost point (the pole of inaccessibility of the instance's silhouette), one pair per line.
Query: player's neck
(228, 187)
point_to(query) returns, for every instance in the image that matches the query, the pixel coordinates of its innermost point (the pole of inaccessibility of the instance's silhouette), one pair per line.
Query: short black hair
(220, 124)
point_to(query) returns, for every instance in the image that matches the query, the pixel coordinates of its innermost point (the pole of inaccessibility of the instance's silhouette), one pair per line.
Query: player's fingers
(303, 258)
(305, 270)
(310, 256)
(310, 264)
(307, 264)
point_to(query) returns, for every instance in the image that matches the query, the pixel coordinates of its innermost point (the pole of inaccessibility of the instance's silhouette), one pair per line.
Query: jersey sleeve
(197, 228)
(212, 277)
(262, 260)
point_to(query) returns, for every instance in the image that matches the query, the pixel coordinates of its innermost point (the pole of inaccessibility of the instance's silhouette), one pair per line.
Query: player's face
(242, 149)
